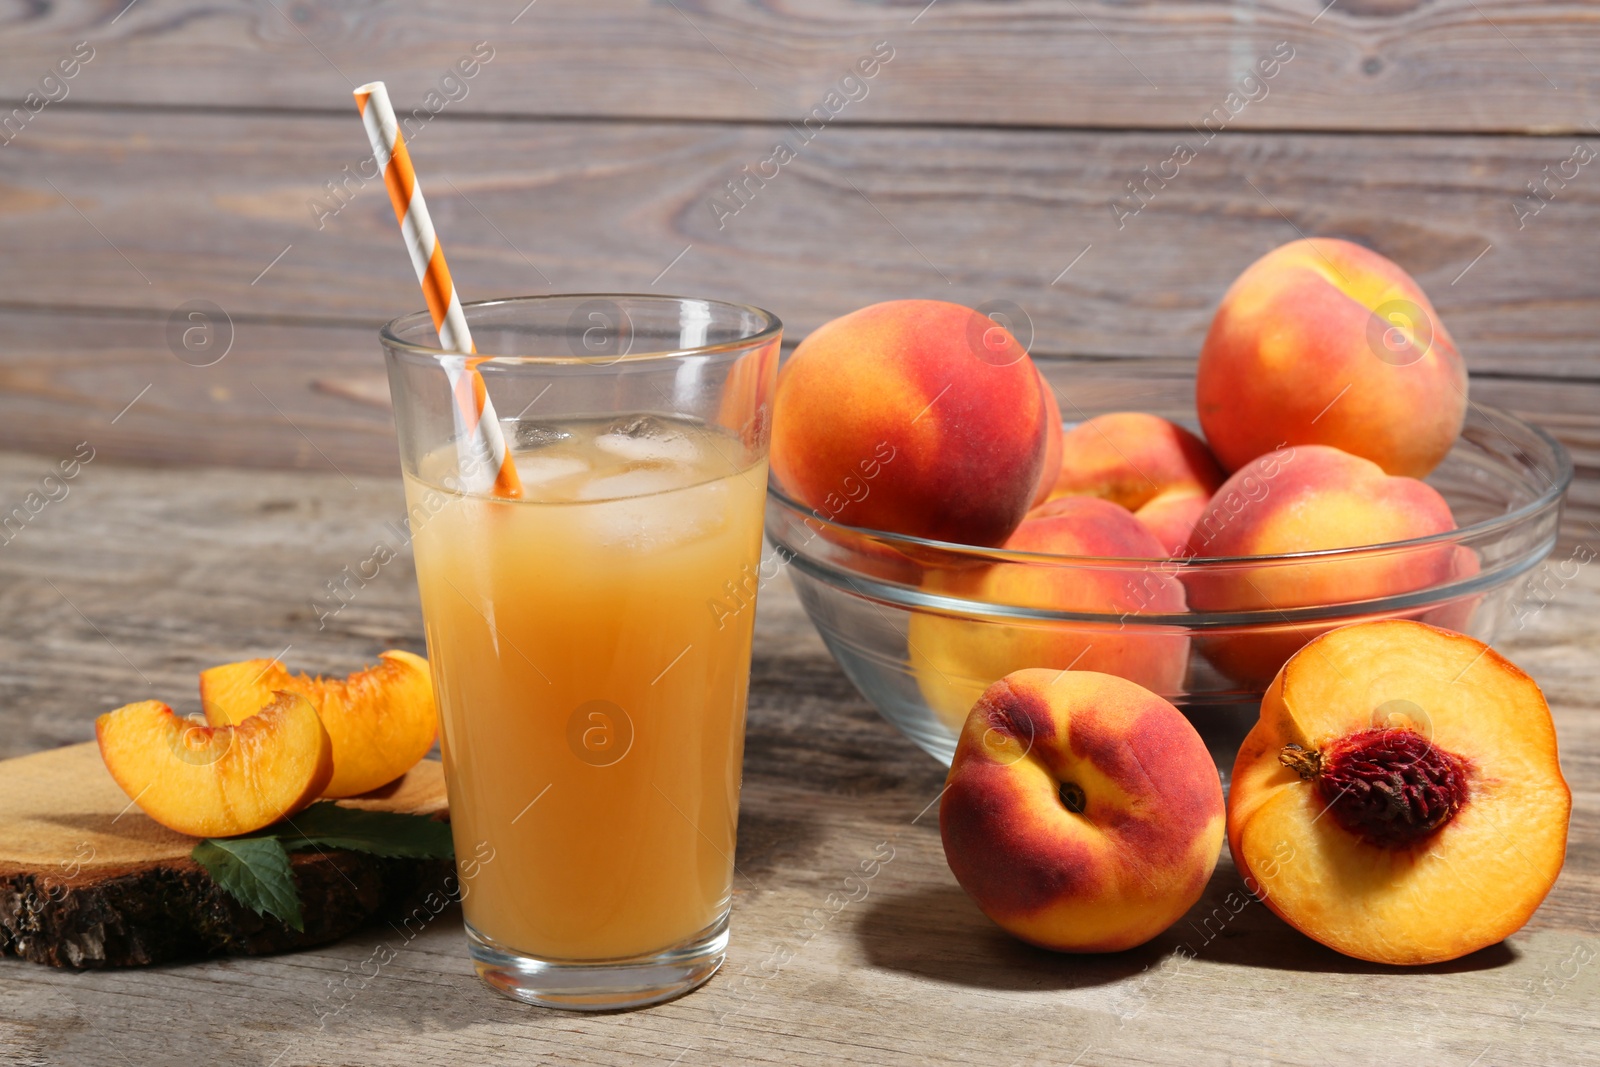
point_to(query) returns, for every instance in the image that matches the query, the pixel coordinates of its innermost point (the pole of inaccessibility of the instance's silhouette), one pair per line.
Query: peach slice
(1400, 798)
(217, 781)
(1082, 813)
(382, 720)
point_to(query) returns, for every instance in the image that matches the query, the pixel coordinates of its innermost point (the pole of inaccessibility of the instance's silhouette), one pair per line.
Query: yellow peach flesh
(217, 781)
(381, 720)
(1475, 880)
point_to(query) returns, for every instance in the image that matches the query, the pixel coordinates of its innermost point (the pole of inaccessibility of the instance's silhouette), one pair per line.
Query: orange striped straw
(486, 464)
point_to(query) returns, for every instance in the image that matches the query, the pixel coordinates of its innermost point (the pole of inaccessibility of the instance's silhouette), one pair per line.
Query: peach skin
(1307, 499)
(956, 658)
(943, 391)
(1055, 437)
(1156, 469)
(1400, 799)
(1081, 813)
(1325, 342)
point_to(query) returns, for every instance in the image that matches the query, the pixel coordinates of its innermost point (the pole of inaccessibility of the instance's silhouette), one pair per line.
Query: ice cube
(635, 481)
(642, 438)
(530, 435)
(676, 448)
(637, 426)
(542, 470)
(658, 521)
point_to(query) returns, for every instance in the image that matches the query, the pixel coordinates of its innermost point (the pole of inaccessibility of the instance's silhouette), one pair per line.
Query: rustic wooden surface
(315, 397)
(87, 879)
(981, 164)
(1363, 64)
(178, 207)
(136, 579)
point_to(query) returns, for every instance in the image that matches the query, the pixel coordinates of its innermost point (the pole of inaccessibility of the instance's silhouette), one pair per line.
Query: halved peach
(217, 781)
(382, 720)
(1400, 799)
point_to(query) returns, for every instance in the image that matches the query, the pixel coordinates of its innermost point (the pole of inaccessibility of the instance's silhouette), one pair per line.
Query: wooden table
(138, 578)
(202, 158)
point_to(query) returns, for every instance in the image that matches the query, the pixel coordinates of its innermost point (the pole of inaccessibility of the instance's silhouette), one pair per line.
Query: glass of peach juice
(591, 679)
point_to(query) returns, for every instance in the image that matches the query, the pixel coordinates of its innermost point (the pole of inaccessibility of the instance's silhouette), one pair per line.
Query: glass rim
(771, 328)
(1551, 495)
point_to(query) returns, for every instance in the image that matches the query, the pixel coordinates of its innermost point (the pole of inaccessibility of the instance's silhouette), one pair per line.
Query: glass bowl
(906, 620)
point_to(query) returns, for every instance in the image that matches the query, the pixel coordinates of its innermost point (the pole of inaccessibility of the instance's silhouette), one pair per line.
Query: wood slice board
(89, 880)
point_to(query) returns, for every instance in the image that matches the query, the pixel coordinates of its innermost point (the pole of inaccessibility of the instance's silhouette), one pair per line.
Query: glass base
(600, 985)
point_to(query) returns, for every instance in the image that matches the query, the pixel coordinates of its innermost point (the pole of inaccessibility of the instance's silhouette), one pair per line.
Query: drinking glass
(590, 638)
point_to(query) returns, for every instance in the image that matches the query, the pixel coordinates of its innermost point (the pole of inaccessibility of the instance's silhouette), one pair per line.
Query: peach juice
(591, 697)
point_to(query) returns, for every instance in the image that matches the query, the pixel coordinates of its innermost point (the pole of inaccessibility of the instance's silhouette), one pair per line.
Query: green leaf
(381, 833)
(254, 871)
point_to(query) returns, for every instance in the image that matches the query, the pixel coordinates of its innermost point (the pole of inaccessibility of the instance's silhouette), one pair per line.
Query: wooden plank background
(1460, 65)
(203, 152)
(182, 206)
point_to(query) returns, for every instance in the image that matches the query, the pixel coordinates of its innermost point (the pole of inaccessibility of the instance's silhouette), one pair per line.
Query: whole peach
(1156, 469)
(956, 658)
(1311, 498)
(940, 397)
(1082, 813)
(1322, 341)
